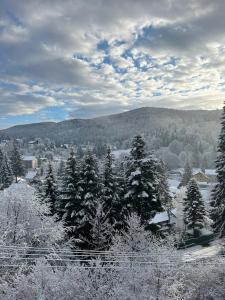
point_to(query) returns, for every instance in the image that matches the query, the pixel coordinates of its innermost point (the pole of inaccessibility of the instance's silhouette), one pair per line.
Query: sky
(82, 59)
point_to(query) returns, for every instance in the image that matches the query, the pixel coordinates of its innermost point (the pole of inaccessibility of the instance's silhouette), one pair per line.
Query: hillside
(120, 128)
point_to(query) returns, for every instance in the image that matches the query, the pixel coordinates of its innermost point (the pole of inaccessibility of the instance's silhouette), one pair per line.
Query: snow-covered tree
(141, 185)
(69, 203)
(49, 191)
(113, 203)
(6, 175)
(61, 169)
(163, 187)
(187, 175)
(16, 162)
(194, 209)
(101, 232)
(218, 193)
(134, 239)
(24, 220)
(90, 195)
(178, 203)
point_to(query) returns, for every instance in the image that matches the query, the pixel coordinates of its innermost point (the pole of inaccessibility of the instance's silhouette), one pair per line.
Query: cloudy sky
(81, 59)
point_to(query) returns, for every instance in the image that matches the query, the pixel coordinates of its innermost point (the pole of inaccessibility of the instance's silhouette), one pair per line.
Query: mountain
(118, 129)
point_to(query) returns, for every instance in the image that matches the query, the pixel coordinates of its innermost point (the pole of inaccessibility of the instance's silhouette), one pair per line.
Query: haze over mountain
(118, 129)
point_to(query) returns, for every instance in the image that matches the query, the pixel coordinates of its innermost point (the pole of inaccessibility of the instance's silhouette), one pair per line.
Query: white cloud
(173, 49)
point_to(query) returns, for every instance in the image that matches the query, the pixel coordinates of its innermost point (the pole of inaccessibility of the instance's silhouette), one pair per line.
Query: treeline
(173, 134)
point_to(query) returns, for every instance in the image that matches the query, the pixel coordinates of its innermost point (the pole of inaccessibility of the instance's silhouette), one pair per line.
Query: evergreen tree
(49, 193)
(61, 168)
(194, 209)
(69, 203)
(101, 232)
(141, 183)
(112, 202)
(6, 175)
(163, 187)
(16, 162)
(187, 175)
(80, 152)
(218, 193)
(90, 196)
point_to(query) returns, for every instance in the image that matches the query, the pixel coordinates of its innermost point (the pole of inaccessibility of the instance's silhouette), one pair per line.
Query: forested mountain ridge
(153, 123)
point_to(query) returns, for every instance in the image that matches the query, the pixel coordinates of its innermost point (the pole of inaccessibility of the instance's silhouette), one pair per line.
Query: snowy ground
(199, 252)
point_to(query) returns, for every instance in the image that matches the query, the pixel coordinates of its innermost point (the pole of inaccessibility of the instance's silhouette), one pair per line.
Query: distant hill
(118, 129)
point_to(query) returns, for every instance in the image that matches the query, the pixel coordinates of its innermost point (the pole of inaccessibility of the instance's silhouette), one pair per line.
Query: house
(33, 144)
(29, 162)
(208, 176)
(165, 219)
(201, 177)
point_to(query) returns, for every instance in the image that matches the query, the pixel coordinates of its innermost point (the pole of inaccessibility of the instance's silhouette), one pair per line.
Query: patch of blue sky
(156, 93)
(50, 114)
(172, 61)
(103, 45)
(146, 34)
(13, 18)
(8, 85)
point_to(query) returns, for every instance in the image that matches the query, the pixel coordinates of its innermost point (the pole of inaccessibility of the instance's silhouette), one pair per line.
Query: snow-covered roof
(211, 172)
(28, 157)
(162, 217)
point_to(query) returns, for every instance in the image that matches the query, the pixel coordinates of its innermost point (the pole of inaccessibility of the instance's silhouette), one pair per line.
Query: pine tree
(90, 196)
(142, 183)
(187, 175)
(218, 193)
(194, 209)
(6, 175)
(61, 168)
(112, 202)
(49, 192)
(69, 203)
(163, 187)
(101, 232)
(16, 162)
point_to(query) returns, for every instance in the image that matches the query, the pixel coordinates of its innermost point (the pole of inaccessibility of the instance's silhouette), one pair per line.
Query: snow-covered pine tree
(61, 168)
(218, 193)
(113, 204)
(69, 203)
(90, 195)
(141, 182)
(101, 232)
(49, 191)
(16, 162)
(194, 208)
(163, 187)
(187, 175)
(6, 175)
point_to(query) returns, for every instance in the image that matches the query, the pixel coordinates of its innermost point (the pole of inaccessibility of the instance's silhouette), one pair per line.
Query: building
(33, 144)
(208, 176)
(201, 177)
(165, 219)
(30, 162)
